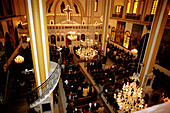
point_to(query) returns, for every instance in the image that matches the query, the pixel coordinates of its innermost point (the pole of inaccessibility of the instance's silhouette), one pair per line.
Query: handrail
(44, 89)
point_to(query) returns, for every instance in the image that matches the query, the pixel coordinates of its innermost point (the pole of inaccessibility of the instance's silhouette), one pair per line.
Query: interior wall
(129, 27)
(149, 7)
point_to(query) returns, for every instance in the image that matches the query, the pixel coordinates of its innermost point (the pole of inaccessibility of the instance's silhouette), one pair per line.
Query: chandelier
(130, 98)
(19, 59)
(72, 35)
(86, 52)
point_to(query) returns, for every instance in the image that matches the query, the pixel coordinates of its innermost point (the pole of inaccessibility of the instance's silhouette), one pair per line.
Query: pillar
(113, 10)
(37, 25)
(131, 7)
(106, 17)
(138, 7)
(125, 8)
(92, 12)
(144, 11)
(155, 37)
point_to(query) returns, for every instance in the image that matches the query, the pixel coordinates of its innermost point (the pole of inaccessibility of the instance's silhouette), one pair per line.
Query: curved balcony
(38, 95)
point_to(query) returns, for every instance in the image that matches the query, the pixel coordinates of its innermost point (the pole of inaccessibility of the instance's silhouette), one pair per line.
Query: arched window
(96, 5)
(58, 38)
(119, 10)
(49, 9)
(96, 36)
(78, 37)
(154, 7)
(128, 7)
(83, 22)
(126, 39)
(51, 22)
(53, 39)
(135, 6)
(76, 9)
(62, 7)
(83, 37)
(113, 32)
(100, 37)
(62, 38)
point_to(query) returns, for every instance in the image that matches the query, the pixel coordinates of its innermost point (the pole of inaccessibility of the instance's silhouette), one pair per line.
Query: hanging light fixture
(19, 59)
(86, 51)
(72, 35)
(129, 99)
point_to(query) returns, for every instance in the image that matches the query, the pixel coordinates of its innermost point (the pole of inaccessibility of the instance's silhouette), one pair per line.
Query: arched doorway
(100, 37)
(68, 41)
(83, 37)
(53, 39)
(126, 39)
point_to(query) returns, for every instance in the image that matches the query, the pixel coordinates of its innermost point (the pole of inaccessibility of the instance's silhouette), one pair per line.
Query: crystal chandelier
(86, 52)
(72, 35)
(130, 99)
(19, 59)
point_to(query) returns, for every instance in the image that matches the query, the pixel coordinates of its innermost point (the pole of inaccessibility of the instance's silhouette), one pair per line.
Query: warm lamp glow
(135, 6)
(19, 59)
(72, 35)
(128, 7)
(130, 98)
(118, 9)
(28, 39)
(86, 52)
(134, 51)
(166, 100)
(154, 6)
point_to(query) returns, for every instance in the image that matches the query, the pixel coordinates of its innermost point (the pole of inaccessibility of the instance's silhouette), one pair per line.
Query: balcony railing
(38, 95)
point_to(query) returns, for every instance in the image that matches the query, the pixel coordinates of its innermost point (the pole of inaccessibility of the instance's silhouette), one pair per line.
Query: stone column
(144, 11)
(155, 37)
(106, 17)
(37, 25)
(131, 7)
(138, 7)
(92, 12)
(125, 8)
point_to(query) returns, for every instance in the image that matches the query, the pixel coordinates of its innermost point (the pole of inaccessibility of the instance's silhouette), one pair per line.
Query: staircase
(38, 95)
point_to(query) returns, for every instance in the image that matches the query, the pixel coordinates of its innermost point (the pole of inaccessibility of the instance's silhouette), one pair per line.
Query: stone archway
(83, 37)
(53, 39)
(68, 41)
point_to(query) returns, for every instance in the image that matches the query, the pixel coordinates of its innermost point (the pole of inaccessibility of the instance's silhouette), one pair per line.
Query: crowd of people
(111, 80)
(60, 53)
(81, 96)
(161, 79)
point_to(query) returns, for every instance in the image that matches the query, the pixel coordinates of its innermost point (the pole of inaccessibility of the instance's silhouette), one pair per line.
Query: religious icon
(126, 39)
(113, 33)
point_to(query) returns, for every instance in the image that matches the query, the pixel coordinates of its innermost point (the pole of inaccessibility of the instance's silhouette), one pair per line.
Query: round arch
(48, 4)
(57, 3)
(77, 2)
(53, 39)
(126, 40)
(83, 37)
